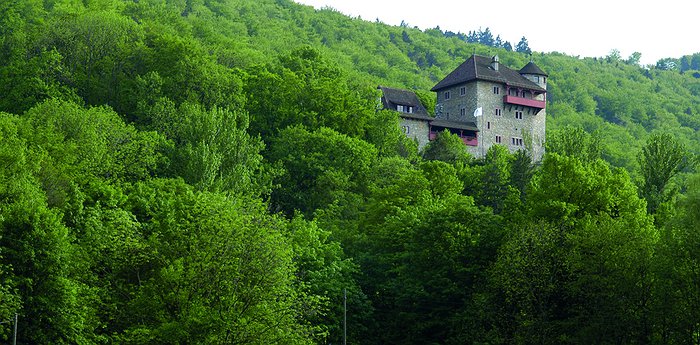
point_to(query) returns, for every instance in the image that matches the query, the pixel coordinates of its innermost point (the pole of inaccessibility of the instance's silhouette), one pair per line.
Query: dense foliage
(217, 171)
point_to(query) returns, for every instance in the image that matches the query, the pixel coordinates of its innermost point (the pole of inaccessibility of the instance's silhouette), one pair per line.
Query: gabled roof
(531, 68)
(479, 68)
(393, 97)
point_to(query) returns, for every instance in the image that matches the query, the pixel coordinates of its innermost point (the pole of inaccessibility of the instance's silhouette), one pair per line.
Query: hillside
(217, 171)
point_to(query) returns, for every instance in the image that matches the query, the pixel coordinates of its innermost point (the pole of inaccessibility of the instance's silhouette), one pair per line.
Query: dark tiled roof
(393, 97)
(454, 124)
(479, 68)
(531, 68)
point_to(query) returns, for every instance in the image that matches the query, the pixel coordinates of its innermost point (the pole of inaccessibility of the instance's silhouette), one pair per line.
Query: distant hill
(621, 100)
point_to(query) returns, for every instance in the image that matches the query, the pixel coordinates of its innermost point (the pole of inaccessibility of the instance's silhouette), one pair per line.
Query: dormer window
(404, 108)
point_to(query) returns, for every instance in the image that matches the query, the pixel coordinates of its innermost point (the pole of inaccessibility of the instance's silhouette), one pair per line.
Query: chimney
(494, 63)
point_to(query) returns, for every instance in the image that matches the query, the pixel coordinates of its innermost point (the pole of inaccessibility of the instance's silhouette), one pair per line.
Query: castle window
(404, 108)
(498, 139)
(496, 90)
(516, 141)
(537, 79)
(519, 115)
(498, 112)
(488, 125)
(447, 95)
(463, 112)
(406, 129)
(462, 90)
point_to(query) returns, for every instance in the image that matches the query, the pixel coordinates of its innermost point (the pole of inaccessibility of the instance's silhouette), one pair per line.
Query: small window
(404, 108)
(517, 141)
(537, 79)
(498, 139)
(498, 112)
(406, 129)
(519, 115)
(496, 90)
(463, 112)
(488, 125)
(462, 90)
(447, 95)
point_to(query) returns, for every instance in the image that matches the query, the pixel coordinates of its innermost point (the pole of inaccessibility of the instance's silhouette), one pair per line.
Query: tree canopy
(220, 172)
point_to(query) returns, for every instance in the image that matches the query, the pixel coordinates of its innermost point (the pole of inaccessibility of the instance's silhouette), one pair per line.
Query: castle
(482, 101)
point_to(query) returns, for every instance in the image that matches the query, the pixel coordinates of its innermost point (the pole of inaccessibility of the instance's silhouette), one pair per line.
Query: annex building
(482, 101)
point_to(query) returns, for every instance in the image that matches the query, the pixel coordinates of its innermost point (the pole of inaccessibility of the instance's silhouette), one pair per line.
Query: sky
(591, 28)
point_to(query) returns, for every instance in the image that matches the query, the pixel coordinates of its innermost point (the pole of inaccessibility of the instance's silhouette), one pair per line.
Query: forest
(219, 172)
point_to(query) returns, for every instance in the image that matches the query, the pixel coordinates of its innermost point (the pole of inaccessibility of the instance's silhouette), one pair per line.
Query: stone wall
(515, 133)
(416, 129)
(451, 109)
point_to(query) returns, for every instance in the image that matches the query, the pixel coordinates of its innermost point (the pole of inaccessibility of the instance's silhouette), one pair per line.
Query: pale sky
(592, 28)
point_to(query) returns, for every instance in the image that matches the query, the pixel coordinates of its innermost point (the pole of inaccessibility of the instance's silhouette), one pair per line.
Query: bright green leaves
(588, 241)
(574, 142)
(307, 89)
(662, 158)
(35, 250)
(212, 149)
(82, 143)
(321, 167)
(677, 265)
(446, 147)
(566, 189)
(218, 270)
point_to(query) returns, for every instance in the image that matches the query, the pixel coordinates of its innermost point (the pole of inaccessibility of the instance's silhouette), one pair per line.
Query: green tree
(307, 89)
(677, 266)
(494, 189)
(662, 158)
(575, 142)
(521, 171)
(325, 276)
(523, 47)
(36, 250)
(214, 270)
(446, 147)
(321, 167)
(589, 213)
(212, 148)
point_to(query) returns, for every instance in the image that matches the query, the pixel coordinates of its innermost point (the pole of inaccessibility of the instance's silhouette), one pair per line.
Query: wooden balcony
(533, 103)
(470, 141)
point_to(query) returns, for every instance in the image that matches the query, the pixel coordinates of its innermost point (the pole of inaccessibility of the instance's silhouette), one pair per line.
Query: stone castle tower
(487, 103)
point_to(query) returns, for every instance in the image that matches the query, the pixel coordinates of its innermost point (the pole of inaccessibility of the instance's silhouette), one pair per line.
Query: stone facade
(516, 121)
(418, 130)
